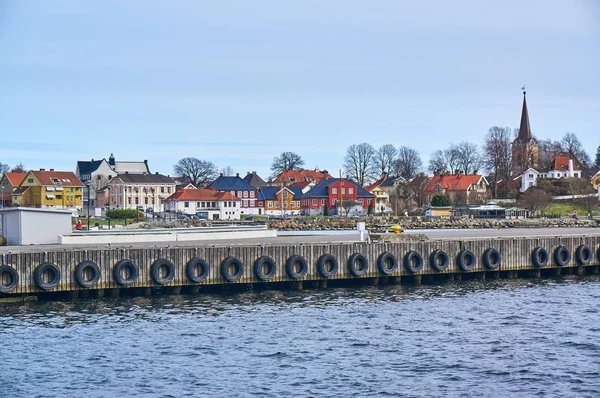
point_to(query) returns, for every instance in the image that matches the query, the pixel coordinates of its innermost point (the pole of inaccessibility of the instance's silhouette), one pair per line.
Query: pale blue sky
(238, 82)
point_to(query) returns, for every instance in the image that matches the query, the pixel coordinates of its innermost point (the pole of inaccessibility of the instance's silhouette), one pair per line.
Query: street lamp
(88, 184)
(2, 195)
(108, 206)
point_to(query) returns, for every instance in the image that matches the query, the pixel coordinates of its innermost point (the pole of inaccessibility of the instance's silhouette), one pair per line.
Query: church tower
(525, 149)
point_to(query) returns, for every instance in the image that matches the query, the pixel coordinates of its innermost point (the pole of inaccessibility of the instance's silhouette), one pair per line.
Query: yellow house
(596, 180)
(50, 189)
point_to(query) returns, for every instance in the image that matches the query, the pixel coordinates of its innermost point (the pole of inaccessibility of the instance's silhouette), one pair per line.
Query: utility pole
(341, 185)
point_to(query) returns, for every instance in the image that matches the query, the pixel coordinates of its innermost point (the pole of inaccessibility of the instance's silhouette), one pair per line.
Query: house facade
(595, 180)
(216, 205)
(8, 184)
(252, 200)
(136, 191)
(562, 167)
(459, 188)
(328, 193)
(281, 201)
(50, 189)
(382, 195)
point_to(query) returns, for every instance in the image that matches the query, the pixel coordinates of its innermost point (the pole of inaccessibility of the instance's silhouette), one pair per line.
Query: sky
(239, 82)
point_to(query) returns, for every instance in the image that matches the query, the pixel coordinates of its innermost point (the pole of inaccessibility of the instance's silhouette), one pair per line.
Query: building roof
(131, 167)
(321, 190)
(88, 167)
(254, 180)
(15, 179)
(57, 178)
(524, 128)
(453, 182)
(223, 183)
(20, 190)
(561, 163)
(291, 176)
(199, 194)
(145, 178)
(270, 192)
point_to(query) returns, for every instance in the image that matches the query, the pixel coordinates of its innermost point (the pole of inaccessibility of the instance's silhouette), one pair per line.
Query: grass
(567, 208)
(103, 222)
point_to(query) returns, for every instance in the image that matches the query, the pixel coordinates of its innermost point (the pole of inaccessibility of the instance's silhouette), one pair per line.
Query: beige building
(137, 191)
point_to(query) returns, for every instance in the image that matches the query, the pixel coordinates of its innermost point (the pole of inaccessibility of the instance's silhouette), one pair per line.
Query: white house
(562, 167)
(216, 205)
(529, 179)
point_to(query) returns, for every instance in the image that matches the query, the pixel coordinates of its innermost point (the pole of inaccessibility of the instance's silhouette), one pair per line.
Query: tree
(535, 200)
(572, 147)
(437, 163)
(325, 210)
(286, 161)
(199, 172)
(348, 204)
(371, 206)
(408, 164)
(547, 151)
(4, 168)
(359, 162)
(384, 159)
(227, 171)
(20, 168)
(99, 182)
(467, 157)
(440, 200)
(598, 156)
(497, 155)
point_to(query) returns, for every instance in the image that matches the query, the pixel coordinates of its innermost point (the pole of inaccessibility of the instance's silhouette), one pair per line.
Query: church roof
(524, 128)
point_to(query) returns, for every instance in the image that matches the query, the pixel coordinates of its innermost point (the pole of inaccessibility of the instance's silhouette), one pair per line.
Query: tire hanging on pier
(539, 257)
(13, 278)
(562, 256)
(439, 260)
(466, 260)
(194, 265)
(238, 269)
(82, 270)
(260, 263)
(323, 268)
(358, 264)
(157, 266)
(583, 255)
(128, 265)
(491, 259)
(413, 261)
(46, 269)
(290, 266)
(387, 263)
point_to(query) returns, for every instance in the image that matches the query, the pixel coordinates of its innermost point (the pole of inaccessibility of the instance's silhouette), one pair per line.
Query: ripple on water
(497, 338)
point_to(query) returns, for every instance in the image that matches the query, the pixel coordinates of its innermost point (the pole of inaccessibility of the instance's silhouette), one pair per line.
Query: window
(137, 201)
(169, 189)
(270, 204)
(530, 175)
(145, 201)
(252, 203)
(292, 179)
(298, 203)
(285, 195)
(245, 194)
(245, 203)
(285, 205)
(162, 189)
(251, 194)
(343, 191)
(276, 204)
(239, 194)
(350, 191)
(333, 191)
(323, 202)
(225, 204)
(314, 202)
(293, 204)
(197, 204)
(186, 204)
(260, 204)
(214, 204)
(30, 180)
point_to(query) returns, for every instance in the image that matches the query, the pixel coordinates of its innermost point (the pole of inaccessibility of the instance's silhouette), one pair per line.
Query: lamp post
(2, 195)
(88, 184)
(108, 206)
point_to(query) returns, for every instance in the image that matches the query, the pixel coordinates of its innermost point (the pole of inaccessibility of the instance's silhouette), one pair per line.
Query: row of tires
(125, 272)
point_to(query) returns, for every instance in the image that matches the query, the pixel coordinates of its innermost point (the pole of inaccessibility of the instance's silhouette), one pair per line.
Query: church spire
(524, 129)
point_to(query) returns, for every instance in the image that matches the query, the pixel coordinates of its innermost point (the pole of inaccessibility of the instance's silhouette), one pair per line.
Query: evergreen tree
(598, 156)
(325, 210)
(440, 200)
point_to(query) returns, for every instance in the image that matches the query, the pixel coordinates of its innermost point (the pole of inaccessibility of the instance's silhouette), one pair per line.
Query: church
(525, 148)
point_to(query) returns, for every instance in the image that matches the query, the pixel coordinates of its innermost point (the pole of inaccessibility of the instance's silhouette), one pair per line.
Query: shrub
(325, 210)
(121, 214)
(440, 200)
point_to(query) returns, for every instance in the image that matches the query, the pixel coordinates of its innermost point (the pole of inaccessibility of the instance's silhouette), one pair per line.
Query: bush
(440, 200)
(121, 214)
(325, 211)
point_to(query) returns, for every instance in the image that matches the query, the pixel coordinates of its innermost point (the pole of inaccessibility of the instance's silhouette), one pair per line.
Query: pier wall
(171, 271)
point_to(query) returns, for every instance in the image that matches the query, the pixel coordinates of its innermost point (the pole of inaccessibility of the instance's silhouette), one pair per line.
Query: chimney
(42, 169)
(254, 172)
(237, 174)
(571, 166)
(51, 169)
(221, 174)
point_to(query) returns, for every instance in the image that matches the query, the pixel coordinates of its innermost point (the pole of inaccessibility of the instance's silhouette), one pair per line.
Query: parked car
(201, 215)
(249, 218)
(183, 217)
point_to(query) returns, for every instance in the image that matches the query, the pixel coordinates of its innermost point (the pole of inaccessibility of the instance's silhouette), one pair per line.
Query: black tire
(192, 265)
(322, 265)
(583, 255)
(289, 266)
(358, 264)
(14, 278)
(491, 259)
(133, 271)
(258, 268)
(155, 271)
(387, 263)
(466, 260)
(439, 260)
(225, 264)
(81, 269)
(413, 262)
(562, 256)
(539, 257)
(39, 273)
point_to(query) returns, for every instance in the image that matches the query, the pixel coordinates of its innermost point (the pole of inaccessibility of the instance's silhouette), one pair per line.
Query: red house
(329, 192)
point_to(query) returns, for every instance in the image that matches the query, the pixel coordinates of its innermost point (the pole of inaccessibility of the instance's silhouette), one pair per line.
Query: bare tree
(286, 161)
(199, 172)
(4, 168)
(597, 160)
(20, 168)
(535, 200)
(445, 162)
(359, 162)
(467, 157)
(384, 159)
(572, 147)
(99, 182)
(408, 164)
(497, 155)
(548, 150)
(227, 171)
(348, 204)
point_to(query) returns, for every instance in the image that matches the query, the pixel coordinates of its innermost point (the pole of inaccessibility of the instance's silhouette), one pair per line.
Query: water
(496, 339)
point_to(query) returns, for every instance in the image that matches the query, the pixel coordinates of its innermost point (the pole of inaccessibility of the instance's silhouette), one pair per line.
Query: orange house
(281, 201)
